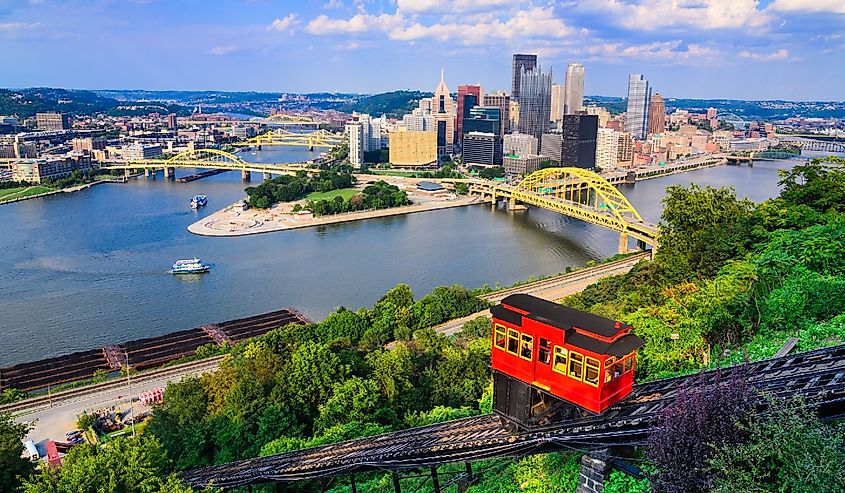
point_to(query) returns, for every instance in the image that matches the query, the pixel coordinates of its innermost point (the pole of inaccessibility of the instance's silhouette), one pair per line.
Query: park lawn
(18, 192)
(346, 193)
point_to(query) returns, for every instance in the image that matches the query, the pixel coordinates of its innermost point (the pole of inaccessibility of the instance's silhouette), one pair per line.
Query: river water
(87, 269)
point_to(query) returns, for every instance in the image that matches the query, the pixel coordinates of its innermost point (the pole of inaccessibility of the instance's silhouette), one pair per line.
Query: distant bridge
(320, 138)
(577, 193)
(809, 144)
(209, 158)
(733, 119)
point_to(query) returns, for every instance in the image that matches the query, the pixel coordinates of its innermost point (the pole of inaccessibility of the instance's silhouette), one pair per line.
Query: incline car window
(500, 336)
(527, 347)
(608, 369)
(513, 341)
(591, 374)
(560, 360)
(576, 365)
(545, 353)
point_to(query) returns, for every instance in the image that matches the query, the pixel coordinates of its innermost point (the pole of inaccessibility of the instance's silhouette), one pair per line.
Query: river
(88, 269)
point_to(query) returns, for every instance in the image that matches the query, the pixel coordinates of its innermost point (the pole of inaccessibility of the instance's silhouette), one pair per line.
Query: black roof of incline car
(566, 318)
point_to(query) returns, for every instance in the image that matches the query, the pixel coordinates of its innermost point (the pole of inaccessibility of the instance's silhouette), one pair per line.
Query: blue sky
(747, 49)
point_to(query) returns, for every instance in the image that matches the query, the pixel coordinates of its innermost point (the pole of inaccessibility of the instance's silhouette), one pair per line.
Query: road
(56, 420)
(56, 416)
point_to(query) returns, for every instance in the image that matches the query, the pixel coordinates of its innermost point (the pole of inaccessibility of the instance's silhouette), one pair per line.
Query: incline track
(817, 375)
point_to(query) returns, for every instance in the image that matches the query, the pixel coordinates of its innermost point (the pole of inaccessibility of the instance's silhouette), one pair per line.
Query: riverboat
(198, 201)
(189, 266)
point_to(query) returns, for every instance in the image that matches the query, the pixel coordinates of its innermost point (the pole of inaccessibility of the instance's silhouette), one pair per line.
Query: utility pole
(129, 385)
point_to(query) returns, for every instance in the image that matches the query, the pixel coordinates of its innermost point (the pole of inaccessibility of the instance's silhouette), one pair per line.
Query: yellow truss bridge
(320, 138)
(210, 158)
(577, 193)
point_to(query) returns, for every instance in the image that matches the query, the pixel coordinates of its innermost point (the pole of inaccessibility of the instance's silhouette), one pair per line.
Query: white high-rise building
(556, 114)
(607, 148)
(355, 134)
(518, 144)
(573, 100)
(418, 120)
(639, 94)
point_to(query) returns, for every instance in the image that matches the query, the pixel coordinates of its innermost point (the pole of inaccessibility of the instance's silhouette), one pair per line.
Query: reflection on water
(92, 268)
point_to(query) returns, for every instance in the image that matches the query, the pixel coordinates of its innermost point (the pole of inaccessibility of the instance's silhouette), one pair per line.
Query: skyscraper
(443, 109)
(463, 107)
(557, 103)
(503, 102)
(520, 63)
(535, 101)
(578, 148)
(573, 100)
(656, 115)
(639, 94)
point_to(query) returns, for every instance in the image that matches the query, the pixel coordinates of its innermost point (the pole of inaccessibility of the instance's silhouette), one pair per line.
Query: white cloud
(282, 24)
(221, 50)
(359, 23)
(651, 15)
(333, 4)
(450, 5)
(781, 54)
(534, 23)
(802, 6)
(18, 26)
(668, 51)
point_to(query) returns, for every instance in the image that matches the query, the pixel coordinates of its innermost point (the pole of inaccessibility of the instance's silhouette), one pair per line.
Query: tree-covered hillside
(27, 102)
(393, 104)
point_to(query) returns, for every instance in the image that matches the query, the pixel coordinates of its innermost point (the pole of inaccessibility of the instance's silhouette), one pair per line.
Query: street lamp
(129, 386)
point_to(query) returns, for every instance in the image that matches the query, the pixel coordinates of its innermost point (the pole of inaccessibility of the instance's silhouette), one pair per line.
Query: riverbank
(233, 222)
(76, 188)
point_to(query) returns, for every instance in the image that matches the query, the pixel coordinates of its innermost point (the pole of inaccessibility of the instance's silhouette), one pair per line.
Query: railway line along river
(90, 268)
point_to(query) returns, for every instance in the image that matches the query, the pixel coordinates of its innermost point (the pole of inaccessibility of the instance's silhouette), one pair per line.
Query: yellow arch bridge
(580, 194)
(210, 158)
(280, 137)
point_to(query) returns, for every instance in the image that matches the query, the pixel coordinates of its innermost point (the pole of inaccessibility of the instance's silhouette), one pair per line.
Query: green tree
(13, 466)
(788, 449)
(84, 421)
(355, 399)
(312, 372)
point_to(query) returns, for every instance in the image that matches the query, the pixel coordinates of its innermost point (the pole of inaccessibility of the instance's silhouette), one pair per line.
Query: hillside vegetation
(392, 104)
(731, 282)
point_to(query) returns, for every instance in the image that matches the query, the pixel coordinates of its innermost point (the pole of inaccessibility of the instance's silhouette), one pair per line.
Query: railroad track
(72, 395)
(563, 279)
(817, 375)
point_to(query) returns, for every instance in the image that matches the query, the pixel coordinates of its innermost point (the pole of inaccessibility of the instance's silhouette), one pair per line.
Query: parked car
(76, 440)
(72, 434)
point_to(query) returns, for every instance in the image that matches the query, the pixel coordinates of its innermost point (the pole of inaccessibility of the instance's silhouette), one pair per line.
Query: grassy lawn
(18, 192)
(346, 193)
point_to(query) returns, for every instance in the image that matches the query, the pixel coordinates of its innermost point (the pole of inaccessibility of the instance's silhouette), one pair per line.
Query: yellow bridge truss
(581, 194)
(211, 158)
(320, 138)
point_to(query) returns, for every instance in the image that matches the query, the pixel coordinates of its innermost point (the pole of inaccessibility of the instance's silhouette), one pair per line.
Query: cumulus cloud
(221, 50)
(283, 24)
(831, 6)
(781, 54)
(650, 15)
(450, 5)
(668, 51)
(535, 22)
(359, 23)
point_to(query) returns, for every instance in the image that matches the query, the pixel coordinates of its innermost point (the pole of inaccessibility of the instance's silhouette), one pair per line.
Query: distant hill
(393, 104)
(27, 102)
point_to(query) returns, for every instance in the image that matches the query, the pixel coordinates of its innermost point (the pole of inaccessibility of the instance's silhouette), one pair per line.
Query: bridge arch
(584, 195)
(282, 118)
(207, 155)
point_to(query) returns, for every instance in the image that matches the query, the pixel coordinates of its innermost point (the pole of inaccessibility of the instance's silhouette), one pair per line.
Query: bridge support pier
(245, 175)
(146, 172)
(267, 176)
(169, 172)
(623, 243)
(126, 174)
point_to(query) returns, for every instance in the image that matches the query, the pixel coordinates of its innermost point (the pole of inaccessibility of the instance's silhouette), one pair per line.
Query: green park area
(21, 192)
(344, 193)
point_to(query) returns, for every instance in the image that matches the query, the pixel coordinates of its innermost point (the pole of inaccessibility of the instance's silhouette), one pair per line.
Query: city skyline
(709, 49)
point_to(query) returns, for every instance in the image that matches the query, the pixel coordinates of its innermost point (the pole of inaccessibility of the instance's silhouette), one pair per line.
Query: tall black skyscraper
(520, 63)
(578, 148)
